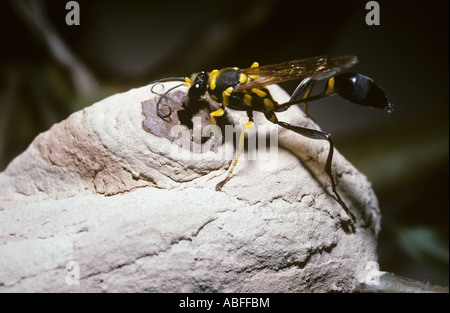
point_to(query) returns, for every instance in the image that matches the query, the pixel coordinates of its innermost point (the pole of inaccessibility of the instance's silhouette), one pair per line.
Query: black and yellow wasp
(245, 90)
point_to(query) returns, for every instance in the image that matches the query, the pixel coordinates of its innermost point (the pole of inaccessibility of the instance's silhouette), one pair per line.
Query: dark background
(125, 44)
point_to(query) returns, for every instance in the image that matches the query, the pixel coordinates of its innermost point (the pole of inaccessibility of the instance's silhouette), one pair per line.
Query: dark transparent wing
(316, 67)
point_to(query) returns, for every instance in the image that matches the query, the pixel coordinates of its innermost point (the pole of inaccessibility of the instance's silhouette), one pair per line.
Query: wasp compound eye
(362, 90)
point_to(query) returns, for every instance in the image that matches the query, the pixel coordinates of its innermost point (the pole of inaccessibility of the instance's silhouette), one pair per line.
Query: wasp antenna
(168, 79)
(158, 110)
(165, 80)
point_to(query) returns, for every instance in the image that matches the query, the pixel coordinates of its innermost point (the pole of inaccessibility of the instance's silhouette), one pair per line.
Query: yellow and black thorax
(222, 85)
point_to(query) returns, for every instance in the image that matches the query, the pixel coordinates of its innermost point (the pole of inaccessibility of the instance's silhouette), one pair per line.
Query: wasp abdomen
(360, 89)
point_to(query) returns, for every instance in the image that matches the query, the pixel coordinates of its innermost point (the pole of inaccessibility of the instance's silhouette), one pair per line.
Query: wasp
(245, 90)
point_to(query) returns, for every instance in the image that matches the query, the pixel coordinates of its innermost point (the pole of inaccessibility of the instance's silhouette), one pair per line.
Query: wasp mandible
(245, 90)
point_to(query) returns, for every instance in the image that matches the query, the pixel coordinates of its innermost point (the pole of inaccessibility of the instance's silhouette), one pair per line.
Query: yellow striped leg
(248, 125)
(219, 112)
(216, 138)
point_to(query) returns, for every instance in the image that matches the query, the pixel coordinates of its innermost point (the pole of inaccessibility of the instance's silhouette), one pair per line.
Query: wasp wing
(316, 67)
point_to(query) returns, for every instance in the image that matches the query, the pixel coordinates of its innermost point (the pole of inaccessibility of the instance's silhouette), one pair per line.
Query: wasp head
(197, 88)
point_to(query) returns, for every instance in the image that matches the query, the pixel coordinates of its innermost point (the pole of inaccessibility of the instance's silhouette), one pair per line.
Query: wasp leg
(250, 115)
(315, 134)
(248, 125)
(284, 106)
(217, 113)
(303, 91)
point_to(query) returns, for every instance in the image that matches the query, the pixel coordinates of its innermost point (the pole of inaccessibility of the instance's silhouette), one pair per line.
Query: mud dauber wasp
(244, 90)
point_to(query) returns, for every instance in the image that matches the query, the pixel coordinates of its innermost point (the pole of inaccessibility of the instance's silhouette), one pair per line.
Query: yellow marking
(225, 100)
(330, 86)
(188, 82)
(214, 97)
(307, 93)
(225, 94)
(218, 112)
(225, 97)
(242, 78)
(248, 125)
(250, 77)
(235, 68)
(268, 104)
(248, 99)
(273, 118)
(305, 96)
(259, 92)
(212, 82)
